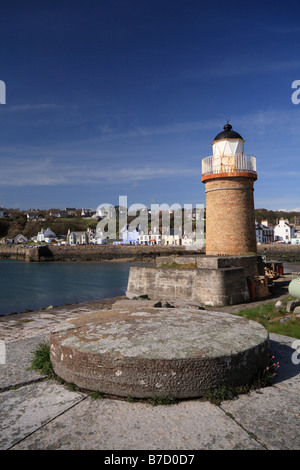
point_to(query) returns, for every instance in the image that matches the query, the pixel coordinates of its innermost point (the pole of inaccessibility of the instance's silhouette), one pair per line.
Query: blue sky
(124, 97)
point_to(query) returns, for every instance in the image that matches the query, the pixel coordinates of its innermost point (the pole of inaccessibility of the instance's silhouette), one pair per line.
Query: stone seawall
(12, 252)
(278, 252)
(92, 253)
(107, 252)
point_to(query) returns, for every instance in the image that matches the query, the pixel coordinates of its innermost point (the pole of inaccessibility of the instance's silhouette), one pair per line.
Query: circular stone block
(147, 352)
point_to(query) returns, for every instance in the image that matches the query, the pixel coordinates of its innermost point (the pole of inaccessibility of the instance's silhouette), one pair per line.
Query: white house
(96, 237)
(86, 213)
(283, 231)
(46, 236)
(153, 237)
(130, 237)
(174, 237)
(192, 240)
(78, 238)
(35, 215)
(295, 240)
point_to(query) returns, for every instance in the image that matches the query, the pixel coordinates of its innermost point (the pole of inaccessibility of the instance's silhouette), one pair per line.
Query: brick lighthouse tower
(229, 176)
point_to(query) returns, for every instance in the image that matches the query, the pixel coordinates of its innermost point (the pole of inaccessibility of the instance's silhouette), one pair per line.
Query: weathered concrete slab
(272, 415)
(16, 370)
(118, 425)
(27, 325)
(146, 352)
(26, 409)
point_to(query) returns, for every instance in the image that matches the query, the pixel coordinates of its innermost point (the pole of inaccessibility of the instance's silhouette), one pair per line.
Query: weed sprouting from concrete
(41, 360)
(97, 395)
(168, 400)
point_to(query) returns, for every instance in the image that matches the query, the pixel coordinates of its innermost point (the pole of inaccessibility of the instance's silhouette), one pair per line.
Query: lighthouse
(229, 176)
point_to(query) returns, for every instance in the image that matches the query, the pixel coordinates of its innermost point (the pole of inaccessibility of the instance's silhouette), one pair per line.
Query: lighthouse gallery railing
(229, 164)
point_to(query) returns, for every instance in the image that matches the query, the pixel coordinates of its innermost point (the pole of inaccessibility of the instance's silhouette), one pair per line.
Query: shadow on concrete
(287, 358)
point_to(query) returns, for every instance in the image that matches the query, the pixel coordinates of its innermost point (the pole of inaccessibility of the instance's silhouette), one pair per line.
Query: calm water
(35, 285)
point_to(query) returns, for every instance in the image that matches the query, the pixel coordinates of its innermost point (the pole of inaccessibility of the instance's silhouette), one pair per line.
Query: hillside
(273, 216)
(18, 223)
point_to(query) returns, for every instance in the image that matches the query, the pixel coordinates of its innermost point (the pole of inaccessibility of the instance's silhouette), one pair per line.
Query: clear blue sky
(124, 97)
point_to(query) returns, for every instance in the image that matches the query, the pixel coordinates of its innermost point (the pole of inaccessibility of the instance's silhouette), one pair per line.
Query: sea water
(33, 286)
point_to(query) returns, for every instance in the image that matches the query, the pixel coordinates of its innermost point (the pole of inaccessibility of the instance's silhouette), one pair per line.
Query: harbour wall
(92, 253)
(279, 252)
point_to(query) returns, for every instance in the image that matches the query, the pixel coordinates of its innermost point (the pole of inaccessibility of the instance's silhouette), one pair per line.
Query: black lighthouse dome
(228, 133)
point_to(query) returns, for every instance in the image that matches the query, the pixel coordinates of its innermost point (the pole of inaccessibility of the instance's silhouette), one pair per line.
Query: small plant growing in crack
(41, 360)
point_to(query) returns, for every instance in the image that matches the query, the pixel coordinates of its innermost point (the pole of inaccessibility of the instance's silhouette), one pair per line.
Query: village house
(295, 240)
(46, 236)
(86, 212)
(58, 214)
(130, 236)
(192, 240)
(20, 238)
(96, 237)
(153, 237)
(283, 231)
(78, 238)
(71, 211)
(35, 215)
(174, 237)
(264, 232)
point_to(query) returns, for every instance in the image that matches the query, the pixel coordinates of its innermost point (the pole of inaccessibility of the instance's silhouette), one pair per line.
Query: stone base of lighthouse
(200, 280)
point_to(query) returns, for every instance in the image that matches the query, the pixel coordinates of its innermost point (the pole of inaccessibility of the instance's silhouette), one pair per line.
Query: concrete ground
(37, 413)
